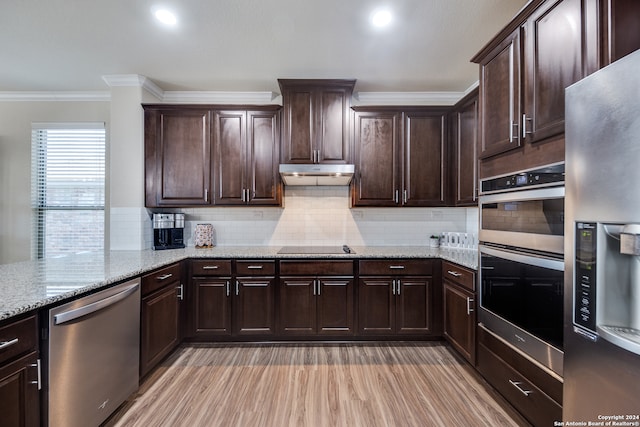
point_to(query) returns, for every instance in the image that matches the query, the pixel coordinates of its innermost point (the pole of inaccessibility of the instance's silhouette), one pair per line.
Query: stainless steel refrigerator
(602, 247)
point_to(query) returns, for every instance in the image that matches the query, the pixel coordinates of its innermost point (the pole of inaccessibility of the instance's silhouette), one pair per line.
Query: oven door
(521, 300)
(528, 218)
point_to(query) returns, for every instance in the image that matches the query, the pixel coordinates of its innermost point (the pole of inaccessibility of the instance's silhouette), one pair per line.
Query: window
(68, 188)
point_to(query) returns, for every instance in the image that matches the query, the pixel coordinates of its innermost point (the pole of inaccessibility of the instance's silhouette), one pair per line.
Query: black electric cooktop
(316, 250)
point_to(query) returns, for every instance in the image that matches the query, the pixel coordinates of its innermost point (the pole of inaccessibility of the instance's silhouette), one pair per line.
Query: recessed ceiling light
(166, 17)
(381, 18)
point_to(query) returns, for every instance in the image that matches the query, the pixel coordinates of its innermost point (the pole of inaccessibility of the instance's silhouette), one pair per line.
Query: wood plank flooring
(352, 384)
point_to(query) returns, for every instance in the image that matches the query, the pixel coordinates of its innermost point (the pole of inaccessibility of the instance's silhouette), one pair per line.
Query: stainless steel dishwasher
(93, 355)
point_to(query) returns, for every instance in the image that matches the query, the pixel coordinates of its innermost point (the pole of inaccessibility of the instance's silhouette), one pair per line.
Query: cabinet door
(553, 38)
(334, 306)
(160, 324)
(425, 159)
(413, 302)
(316, 120)
(377, 153)
(229, 157)
(299, 122)
(465, 131)
(332, 141)
(254, 306)
(460, 320)
(297, 309)
(263, 139)
(19, 395)
(500, 98)
(177, 157)
(376, 306)
(212, 306)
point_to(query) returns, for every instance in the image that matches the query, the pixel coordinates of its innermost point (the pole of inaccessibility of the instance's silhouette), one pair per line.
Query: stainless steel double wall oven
(521, 261)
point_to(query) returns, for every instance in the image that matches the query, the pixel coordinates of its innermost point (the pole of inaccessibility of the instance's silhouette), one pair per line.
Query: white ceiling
(245, 45)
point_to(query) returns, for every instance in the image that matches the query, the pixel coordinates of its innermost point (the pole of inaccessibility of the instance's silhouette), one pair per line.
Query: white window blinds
(68, 188)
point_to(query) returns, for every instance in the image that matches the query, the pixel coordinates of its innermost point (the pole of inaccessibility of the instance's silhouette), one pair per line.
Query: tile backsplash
(321, 216)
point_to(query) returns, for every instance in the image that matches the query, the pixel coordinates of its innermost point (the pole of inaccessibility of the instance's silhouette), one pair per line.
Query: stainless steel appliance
(168, 231)
(316, 174)
(93, 355)
(521, 262)
(602, 335)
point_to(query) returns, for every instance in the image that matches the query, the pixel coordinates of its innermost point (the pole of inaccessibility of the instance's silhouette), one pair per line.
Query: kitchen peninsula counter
(30, 285)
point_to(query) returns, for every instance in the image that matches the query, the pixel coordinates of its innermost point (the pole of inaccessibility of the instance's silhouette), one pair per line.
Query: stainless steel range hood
(316, 174)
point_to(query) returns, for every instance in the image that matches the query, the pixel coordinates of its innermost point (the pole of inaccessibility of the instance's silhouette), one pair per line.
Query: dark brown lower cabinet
(19, 394)
(19, 376)
(533, 391)
(160, 325)
(212, 307)
(316, 306)
(459, 307)
(395, 305)
(254, 306)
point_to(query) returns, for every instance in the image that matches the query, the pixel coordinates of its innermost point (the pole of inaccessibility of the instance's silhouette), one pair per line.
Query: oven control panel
(584, 304)
(542, 177)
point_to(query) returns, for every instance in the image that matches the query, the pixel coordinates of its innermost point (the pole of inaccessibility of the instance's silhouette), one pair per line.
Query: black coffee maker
(168, 231)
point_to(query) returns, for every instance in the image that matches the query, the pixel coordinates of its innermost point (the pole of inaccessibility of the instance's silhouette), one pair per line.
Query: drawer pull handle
(516, 384)
(6, 344)
(454, 273)
(254, 267)
(396, 267)
(165, 276)
(210, 267)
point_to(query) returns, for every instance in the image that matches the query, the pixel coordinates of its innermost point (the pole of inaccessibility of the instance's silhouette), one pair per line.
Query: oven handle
(516, 196)
(524, 258)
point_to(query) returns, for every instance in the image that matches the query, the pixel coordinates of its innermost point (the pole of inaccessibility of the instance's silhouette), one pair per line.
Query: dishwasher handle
(70, 315)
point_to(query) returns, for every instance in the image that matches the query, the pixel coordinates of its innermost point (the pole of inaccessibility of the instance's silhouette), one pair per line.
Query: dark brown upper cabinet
(400, 157)
(554, 43)
(177, 147)
(525, 69)
(316, 120)
(203, 155)
(500, 97)
(246, 157)
(463, 143)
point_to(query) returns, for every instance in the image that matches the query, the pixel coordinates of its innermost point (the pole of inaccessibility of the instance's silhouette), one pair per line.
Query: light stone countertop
(26, 286)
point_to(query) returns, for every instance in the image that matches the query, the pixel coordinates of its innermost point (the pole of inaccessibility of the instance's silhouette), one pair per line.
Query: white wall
(15, 164)
(311, 215)
(321, 216)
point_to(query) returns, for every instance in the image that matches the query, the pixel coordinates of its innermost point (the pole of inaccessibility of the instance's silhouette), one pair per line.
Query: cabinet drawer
(459, 275)
(159, 278)
(211, 267)
(535, 405)
(255, 268)
(316, 268)
(545, 381)
(18, 337)
(396, 267)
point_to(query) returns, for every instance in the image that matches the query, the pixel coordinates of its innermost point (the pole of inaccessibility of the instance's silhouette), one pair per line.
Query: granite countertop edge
(31, 285)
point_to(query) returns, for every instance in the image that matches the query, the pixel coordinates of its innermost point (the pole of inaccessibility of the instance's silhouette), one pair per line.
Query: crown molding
(407, 98)
(134, 80)
(33, 96)
(215, 97)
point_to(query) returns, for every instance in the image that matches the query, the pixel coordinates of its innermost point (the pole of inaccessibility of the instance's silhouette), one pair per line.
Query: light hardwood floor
(353, 384)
